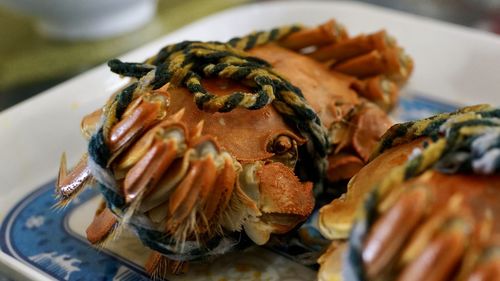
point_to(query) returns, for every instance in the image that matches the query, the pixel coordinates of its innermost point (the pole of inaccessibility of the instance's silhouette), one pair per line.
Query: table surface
(30, 63)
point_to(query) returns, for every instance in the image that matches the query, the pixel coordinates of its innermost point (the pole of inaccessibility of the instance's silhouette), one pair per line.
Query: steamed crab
(430, 210)
(273, 112)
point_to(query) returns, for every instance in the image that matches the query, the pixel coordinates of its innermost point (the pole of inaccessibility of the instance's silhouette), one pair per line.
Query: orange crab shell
(245, 134)
(321, 87)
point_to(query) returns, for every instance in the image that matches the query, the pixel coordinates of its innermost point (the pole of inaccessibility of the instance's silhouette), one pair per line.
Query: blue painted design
(413, 106)
(38, 235)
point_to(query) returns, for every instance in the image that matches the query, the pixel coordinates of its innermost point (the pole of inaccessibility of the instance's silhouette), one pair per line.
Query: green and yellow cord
(185, 64)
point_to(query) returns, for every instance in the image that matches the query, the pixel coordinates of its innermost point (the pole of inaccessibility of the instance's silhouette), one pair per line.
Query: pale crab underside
(187, 175)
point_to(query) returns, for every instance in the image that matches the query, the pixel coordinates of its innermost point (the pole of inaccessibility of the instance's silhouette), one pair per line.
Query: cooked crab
(430, 210)
(189, 177)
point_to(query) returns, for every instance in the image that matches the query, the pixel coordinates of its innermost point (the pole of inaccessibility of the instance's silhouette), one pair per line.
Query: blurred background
(44, 42)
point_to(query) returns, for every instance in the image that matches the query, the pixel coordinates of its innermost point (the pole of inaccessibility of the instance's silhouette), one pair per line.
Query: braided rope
(185, 63)
(471, 138)
(405, 132)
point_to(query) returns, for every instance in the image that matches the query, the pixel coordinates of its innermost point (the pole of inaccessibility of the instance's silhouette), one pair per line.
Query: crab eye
(281, 144)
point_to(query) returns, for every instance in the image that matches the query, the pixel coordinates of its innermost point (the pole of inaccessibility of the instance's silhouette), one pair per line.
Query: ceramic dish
(454, 66)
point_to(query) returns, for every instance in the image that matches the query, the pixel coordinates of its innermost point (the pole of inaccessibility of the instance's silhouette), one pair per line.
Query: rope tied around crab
(465, 141)
(184, 65)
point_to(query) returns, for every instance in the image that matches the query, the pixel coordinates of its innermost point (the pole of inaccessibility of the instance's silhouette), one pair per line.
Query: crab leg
(208, 150)
(380, 90)
(154, 200)
(151, 156)
(190, 192)
(326, 33)
(370, 64)
(69, 184)
(349, 48)
(444, 242)
(224, 186)
(391, 231)
(424, 234)
(170, 128)
(440, 257)
(183, 190)
(148, 171)
(103, 224)
(367, 55)
(140, 115)
(90, 122)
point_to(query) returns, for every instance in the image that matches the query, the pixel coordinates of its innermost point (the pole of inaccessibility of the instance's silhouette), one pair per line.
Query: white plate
(454, 65)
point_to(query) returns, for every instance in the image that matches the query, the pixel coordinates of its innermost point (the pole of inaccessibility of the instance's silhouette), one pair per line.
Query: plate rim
(29, 272)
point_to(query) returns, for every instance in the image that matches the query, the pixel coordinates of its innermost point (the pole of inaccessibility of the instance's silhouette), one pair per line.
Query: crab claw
(283, 202)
